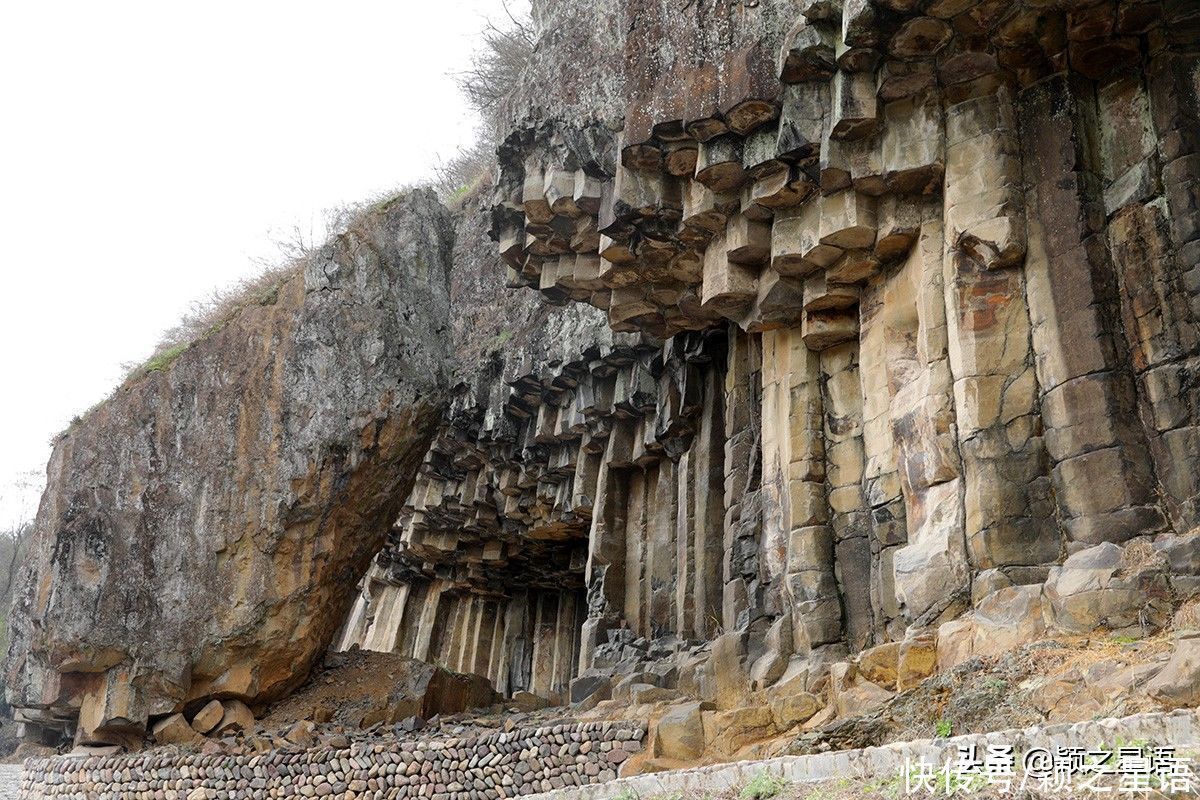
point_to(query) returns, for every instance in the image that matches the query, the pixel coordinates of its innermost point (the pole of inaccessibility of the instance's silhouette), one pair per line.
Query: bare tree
(18, 500)
(454, 177)
(498, 66)
(14, 544)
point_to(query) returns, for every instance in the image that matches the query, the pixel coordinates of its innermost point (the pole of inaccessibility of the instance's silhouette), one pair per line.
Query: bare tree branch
(498, 66)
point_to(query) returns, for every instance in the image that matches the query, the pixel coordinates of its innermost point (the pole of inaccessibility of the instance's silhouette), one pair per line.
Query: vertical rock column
(430, 616)
(849, 517)
(776, 460)
(881, 475)
(663, 555)
(910, 428)
(795, 501)
(1103, 475)
(1155, 242)
(606, 555)
(385, 627)
(554, 644)
(743, 586)
(1008, 508)
(635, 607)
(707, 462)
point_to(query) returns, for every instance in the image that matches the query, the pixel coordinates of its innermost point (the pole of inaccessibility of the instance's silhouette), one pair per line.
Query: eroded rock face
(949, 253)
(869, 346)
(955, 262)
(203, 529)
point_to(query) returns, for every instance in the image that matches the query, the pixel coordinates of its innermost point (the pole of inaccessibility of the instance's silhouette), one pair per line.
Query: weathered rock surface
(203, 529)
(1177, 684)
(680, 733)
(208, 716)
(868, 351)
(911, 384)
(174, 729)
(956, 323)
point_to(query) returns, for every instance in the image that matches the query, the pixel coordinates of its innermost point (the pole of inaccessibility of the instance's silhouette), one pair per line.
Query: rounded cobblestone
(488, 767)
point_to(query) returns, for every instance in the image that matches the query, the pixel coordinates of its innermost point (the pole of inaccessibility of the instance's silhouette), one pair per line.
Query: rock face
(203, 529)
(869, 345)
(914, 318)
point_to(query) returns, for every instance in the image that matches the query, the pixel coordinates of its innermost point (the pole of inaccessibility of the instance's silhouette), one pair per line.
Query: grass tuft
(163, 360)
(764, 786)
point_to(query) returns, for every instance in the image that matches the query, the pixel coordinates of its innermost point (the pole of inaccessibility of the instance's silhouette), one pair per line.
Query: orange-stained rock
(726, 732)
(174, 729)
(918, 660)
(207, 717)
(880, 665)
(237, 717)
(794, 709)
(680, 733)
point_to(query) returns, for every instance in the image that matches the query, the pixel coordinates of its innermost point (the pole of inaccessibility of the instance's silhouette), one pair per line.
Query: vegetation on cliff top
(496, 69)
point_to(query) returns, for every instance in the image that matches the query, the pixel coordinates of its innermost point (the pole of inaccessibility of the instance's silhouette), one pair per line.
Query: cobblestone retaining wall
(496, 765)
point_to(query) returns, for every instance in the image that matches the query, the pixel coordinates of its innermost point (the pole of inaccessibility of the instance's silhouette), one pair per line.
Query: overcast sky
(149, 150)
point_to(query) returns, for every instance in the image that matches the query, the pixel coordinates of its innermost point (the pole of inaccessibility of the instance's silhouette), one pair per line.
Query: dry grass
(454, 180)
(1187, 617)
(210, 314)
(1139, 554)
(497, 70)
(295, 247)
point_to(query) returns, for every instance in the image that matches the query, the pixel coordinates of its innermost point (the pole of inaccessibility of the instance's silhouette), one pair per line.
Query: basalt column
(746, 584)
(525, 641)
(913, 473)
(849, 518)
(1150, 168)
(795, 505)
(1009, 517)
(1103, 474)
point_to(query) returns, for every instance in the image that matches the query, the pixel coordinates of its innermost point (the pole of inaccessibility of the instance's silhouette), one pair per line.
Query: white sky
(148, 149)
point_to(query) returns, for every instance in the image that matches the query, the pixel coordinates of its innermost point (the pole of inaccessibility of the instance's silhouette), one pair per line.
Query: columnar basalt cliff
(863, 338)
(202, 526)
(916, 286)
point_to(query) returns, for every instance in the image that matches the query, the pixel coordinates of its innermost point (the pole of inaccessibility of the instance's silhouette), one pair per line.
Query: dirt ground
(344, 690)
(1049, 681)
(362, 694)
